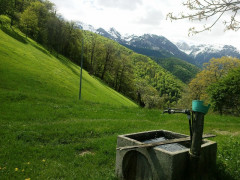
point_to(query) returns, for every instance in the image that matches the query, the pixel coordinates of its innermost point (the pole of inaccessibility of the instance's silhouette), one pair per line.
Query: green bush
(224, 94)
(4, 20)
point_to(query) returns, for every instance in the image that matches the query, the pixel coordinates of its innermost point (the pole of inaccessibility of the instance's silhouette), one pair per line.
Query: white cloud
(120, 4)
(151, 17)
(143, 16)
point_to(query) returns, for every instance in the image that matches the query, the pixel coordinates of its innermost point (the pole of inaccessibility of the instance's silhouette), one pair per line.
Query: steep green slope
(28, 71)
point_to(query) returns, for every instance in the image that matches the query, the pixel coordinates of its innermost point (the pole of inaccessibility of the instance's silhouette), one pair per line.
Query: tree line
(40, 21)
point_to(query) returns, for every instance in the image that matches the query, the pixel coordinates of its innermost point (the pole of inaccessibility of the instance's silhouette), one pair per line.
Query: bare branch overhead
(204, 9)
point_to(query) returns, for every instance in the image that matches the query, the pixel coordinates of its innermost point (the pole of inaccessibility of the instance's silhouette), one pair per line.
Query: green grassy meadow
(30, 71)
(47, 133)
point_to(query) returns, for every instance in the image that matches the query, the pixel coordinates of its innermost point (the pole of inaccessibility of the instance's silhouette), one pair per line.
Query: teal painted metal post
(80, 89)
(195, 150)
(198, 125)
(198, 110)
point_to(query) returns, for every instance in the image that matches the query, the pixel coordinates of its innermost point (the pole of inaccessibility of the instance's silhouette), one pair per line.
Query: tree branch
(204, 9)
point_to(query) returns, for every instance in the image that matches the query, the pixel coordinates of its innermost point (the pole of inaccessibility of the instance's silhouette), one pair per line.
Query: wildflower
(28, 179)
(16, 169)
(28, 162)
(23, 170)
(43, 160)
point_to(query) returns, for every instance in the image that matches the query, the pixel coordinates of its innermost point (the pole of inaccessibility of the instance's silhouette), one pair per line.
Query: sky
(144, 17)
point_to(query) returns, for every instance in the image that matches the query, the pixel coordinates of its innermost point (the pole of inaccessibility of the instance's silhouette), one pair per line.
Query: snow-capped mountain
(111, 34)
(156, 46)
(204, 52)
(115, 35)
(160, 47)
(147, 44)
(127, 38)
(85, 26)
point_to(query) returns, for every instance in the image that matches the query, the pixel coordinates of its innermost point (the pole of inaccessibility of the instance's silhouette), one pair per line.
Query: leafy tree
(205, 9)
(109, 53)
(8, 7)
(124, 76)
(147, 95)
(93, 49)
(29, 22)
(42, 12)
(21, 5)
(34, 20)
(53, 33)
(225, 95)
(71, 38)
(98, 58)
(5, 6)
(212, 72)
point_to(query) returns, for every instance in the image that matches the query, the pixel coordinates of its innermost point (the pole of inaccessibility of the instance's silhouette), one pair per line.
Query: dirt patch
(226, 132)
(84, 153)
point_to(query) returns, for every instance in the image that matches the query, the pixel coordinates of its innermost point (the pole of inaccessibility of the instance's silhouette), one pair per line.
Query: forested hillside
(132, 74)
(181, 69)
(136, 76)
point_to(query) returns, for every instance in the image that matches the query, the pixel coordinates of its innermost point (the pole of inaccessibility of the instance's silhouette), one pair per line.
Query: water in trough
(168, 147)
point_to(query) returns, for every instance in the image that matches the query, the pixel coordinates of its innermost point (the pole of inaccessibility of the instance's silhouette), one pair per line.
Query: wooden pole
(170, 141)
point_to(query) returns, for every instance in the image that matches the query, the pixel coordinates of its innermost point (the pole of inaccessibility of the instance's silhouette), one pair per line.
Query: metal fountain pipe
(172, 111)
(197, 127)
(183, 111)
(198, 112)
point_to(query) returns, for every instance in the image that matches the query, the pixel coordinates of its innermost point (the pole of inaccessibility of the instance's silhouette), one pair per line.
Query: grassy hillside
(29, 71)
(46, 133)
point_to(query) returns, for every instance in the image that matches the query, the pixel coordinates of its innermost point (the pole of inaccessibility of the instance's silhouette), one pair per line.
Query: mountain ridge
(160, 47)
(202, 53)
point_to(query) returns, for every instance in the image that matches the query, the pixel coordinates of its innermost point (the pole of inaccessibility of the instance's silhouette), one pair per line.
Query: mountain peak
(204, 52)
(114, 33)
(84, 26)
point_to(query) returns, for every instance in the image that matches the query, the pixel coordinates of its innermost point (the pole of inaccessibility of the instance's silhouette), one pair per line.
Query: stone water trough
(164, 162)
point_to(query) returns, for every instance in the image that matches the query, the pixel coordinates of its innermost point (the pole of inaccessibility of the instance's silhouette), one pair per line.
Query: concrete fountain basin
(164, 162)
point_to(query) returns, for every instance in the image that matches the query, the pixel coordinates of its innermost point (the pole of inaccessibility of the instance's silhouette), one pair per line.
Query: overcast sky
(143, 16)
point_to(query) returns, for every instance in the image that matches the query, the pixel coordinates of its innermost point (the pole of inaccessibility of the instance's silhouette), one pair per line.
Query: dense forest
(179, 68)
(150, 83)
